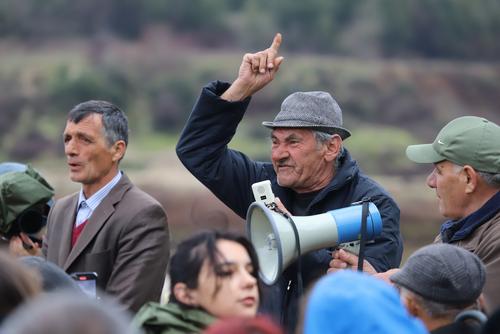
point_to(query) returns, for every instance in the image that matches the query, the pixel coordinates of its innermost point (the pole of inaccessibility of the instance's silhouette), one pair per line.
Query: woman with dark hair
(212, 275)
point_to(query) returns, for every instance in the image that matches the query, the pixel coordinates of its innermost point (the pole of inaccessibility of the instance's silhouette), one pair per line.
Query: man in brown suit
(110, 227)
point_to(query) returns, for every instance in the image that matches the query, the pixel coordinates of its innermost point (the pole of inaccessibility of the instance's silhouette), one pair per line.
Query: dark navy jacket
(229, 174)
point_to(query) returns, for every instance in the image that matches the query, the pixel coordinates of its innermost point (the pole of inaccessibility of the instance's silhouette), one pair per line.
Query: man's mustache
(283, 163)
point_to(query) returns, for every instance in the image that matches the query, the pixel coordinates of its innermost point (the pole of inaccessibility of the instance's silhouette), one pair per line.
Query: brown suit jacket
(125, 241)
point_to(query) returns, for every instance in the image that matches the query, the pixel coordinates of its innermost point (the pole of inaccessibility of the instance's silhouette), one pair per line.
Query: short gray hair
(433, 309)
(491, 179)
(114, 121)
(321, 138)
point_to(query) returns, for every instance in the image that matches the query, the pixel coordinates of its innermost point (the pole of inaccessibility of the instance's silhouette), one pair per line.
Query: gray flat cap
(315, 110)
(443, 273)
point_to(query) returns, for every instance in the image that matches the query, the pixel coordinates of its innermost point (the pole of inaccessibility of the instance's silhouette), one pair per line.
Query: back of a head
(351, 302)
(53, 277)
(62, 313)
(17, 285)
(443, 273)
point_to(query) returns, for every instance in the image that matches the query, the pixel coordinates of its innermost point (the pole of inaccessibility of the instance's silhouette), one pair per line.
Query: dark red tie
(76, 232)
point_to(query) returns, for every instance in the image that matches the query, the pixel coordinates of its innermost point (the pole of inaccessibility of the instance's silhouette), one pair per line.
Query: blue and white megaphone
(274, 240)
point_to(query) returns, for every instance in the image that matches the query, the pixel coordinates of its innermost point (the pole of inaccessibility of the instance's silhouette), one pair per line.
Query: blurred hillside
(398, 102)
(400, 69)
(452, 29)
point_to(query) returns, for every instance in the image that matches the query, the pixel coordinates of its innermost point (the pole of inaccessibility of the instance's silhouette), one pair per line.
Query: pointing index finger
(273, 51)
(276, 43)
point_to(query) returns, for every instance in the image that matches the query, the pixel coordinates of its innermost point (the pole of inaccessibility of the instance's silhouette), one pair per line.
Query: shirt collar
(96, 199)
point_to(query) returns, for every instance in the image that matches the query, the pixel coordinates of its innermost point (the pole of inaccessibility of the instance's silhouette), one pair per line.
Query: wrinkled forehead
(91, 122)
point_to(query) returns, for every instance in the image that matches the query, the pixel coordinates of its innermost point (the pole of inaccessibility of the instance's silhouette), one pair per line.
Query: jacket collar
(348, 168)
(455, 230)
(172, 316)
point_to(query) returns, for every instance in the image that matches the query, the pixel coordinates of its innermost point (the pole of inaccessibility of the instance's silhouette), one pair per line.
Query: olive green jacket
(171, 318)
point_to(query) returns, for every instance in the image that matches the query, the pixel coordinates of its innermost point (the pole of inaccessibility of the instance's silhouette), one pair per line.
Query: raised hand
(256, 71)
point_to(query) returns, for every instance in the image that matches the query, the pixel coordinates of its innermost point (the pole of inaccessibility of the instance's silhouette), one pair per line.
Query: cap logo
(440, 142)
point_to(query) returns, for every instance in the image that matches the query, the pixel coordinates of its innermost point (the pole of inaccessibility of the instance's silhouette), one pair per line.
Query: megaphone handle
(362, 241)
(299, 259)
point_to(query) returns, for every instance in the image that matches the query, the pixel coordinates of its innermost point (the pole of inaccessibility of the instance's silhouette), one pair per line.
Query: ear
(185, 295)
(333, 147)
(413, 307)
(118, 150)
(471, 179)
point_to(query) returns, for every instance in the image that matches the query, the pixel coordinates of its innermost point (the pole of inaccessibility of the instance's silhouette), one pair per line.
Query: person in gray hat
(438, 283)
(310, 171)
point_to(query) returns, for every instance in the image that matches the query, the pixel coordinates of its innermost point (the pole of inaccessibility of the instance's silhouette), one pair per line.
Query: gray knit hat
(315, 110)
(443, 273)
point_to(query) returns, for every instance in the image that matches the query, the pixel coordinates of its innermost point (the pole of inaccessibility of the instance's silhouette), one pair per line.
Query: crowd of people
(113, 235)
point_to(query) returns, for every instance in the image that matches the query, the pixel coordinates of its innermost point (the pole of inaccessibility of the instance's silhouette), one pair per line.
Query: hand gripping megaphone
(273, 236)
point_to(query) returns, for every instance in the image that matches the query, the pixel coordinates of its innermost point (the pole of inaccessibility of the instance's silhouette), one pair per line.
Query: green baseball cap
(467, 140)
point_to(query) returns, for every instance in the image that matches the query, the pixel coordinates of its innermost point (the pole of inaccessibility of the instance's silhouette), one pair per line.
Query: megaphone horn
(273, 237)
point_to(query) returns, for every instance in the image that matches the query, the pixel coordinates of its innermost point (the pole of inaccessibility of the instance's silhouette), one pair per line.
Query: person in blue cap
(349, 302)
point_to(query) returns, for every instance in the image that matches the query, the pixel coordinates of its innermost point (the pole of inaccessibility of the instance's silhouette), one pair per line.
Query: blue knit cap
(350, 302)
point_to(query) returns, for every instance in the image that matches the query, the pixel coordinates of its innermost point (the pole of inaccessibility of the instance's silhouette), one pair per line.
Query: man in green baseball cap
(466, 156)
(466, 178)
(467, 140)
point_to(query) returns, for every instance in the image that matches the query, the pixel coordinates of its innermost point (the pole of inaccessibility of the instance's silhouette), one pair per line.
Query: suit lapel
(98, 219)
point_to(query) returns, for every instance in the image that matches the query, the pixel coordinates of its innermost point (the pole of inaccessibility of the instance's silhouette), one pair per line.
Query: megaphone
(273, 237)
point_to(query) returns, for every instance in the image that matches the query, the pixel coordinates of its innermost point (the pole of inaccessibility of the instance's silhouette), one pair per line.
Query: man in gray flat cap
(311, 172)
(441, 285)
